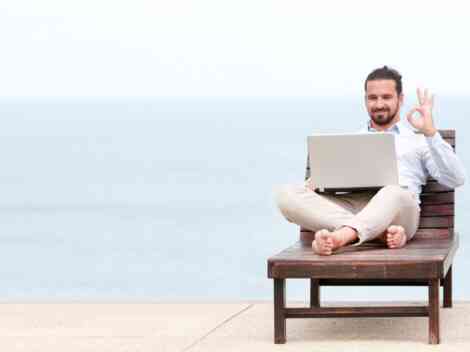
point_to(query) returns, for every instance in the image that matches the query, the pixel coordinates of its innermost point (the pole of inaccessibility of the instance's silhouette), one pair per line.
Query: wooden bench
(425, 261)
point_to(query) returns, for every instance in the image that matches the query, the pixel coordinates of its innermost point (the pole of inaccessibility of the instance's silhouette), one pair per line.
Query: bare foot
(395, 236)
(323, 244)
(326, 242)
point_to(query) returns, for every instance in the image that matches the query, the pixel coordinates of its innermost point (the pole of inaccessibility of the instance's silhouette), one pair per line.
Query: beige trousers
(370, 212)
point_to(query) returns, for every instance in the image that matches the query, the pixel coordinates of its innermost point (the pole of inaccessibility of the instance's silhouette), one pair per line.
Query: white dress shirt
(419, 157)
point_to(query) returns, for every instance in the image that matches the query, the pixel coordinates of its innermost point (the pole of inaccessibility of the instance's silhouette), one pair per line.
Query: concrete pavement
(198, 327)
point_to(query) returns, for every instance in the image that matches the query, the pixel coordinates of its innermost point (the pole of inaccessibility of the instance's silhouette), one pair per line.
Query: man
(391, 214)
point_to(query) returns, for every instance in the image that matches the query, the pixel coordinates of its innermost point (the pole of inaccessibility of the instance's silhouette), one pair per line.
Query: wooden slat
(297, 268)
(435, 187)
(371, 282)
(306, 236)
(350, 312)
(437, 198)
(436, 222)
(447, 133)
(437, 210)
(442, 233)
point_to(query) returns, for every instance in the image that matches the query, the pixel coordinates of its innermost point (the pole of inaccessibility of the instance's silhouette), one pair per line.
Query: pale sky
(229, 48)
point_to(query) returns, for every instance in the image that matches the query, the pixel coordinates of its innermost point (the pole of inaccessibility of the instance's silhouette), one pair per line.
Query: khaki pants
(370, 213)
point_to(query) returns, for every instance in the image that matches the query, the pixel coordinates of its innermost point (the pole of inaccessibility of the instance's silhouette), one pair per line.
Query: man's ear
(401, 98)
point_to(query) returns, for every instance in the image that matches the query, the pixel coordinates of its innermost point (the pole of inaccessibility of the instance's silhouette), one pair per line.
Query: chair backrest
(437, 205)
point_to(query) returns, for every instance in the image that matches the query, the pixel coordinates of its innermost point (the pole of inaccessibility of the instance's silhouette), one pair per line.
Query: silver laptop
(349, 162)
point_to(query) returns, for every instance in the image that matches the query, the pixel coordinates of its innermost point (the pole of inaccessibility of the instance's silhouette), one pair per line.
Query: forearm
(445, 166)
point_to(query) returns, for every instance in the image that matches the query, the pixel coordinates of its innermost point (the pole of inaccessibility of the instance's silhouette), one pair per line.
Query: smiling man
(392, 213)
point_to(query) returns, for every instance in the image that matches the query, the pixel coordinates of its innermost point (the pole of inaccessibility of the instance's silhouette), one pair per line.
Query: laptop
(352, 161)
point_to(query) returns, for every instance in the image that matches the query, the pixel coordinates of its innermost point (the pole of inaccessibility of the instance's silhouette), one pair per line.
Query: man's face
(382, 101)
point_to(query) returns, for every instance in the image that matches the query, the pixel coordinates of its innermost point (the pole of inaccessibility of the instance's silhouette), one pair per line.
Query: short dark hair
(385, 73)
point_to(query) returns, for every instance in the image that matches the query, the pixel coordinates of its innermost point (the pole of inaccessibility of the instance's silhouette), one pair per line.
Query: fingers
(425, 97)
(417, 122)
(420, 96)
(410, 113)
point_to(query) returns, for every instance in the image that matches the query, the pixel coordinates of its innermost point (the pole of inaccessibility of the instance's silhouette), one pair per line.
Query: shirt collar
(396, 128)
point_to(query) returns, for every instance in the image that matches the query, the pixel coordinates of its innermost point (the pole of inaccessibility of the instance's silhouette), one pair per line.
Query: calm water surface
(168, 199)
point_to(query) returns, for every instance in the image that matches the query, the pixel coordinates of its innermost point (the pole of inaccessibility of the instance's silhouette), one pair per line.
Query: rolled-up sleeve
(442, 163)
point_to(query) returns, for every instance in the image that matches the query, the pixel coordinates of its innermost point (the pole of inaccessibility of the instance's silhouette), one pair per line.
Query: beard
(384, 116)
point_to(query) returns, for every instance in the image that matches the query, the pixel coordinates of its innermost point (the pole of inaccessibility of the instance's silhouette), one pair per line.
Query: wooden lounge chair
(425, 261)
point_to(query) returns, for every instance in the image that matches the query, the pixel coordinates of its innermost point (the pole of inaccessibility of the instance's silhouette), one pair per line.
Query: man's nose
(380, 103)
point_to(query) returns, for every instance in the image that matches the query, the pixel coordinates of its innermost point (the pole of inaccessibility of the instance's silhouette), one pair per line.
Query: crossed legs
(391, 214)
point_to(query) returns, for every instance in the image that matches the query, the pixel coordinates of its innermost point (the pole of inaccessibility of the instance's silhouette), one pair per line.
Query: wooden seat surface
(420, 259)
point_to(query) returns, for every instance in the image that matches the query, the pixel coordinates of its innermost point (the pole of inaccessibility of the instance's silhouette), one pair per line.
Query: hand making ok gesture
(424, 122)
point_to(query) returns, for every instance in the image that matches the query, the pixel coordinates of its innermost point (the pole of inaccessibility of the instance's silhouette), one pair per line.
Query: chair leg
(433, 309)
(448, 289)
(314, 293)
(279, 311)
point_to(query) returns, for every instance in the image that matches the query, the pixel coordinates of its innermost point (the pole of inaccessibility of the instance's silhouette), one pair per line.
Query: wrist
(430, 132)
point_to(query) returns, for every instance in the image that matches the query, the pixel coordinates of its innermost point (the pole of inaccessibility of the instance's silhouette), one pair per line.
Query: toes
(327, 246)
(402, 241)
(323, 244)
(396, 237)
(322, 234)
(321, 237)
(316, 247)
(321, 248)
(391, 240)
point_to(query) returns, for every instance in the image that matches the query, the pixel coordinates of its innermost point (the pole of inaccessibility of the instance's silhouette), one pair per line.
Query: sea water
(170, 199)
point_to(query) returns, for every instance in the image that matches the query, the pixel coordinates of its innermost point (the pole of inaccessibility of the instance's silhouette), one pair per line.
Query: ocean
(170, 199)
